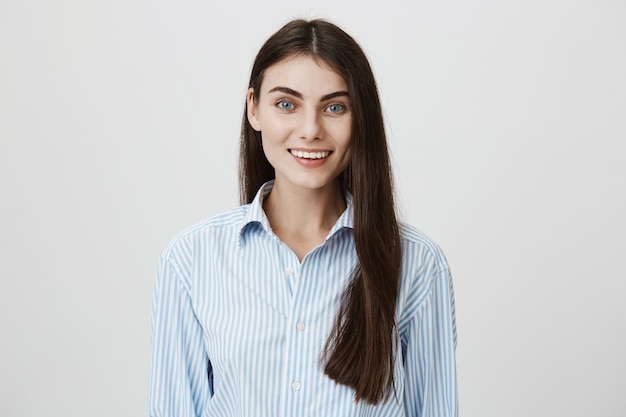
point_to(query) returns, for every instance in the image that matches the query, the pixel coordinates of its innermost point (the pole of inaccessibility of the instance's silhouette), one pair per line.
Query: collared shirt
(239, 324)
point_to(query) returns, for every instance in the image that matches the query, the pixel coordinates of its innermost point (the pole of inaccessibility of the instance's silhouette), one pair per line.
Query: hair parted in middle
(359, 352)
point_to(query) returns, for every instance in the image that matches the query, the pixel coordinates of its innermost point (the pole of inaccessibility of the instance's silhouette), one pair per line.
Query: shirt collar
(255, 215)
(345, 221)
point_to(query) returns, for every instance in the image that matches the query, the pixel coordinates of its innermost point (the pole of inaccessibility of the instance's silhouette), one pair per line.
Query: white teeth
(310, 155)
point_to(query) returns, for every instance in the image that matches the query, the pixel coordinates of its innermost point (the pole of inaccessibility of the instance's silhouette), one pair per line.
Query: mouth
(309, 155)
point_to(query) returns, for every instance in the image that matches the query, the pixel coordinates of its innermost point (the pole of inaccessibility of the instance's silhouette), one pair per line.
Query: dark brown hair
(360, 349)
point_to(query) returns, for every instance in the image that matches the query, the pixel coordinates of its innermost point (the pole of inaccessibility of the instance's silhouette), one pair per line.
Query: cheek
(275, 129)
(273, 143)
(347, 144)
(346, 137)
(347, 127)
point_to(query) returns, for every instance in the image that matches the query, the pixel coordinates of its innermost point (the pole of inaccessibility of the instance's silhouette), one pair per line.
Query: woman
(310, 299)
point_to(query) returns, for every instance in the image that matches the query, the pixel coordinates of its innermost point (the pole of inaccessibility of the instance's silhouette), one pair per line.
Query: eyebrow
(299, 95)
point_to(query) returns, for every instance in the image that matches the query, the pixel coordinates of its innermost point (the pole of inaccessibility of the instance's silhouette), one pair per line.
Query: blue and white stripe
(239, 324)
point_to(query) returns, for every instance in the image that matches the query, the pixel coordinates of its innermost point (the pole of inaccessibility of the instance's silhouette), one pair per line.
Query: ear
(252, 107)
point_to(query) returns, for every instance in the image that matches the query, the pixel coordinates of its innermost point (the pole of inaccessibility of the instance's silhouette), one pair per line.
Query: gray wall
(507, 121)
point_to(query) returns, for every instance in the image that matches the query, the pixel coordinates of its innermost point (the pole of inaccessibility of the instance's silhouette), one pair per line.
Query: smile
(309, 155)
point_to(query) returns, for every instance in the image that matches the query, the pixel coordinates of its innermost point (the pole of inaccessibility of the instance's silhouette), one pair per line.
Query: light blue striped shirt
(239, 324)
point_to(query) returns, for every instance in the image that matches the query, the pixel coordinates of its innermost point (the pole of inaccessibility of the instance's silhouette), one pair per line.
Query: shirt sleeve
(429, 345)
(180, 371)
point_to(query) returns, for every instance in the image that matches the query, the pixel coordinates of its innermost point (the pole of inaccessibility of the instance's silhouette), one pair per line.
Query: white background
(119, 126)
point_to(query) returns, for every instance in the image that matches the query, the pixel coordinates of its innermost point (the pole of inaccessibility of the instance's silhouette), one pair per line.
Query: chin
(315, 183)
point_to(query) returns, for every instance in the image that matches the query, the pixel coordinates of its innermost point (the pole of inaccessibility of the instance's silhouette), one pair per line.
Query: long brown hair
(360, 348)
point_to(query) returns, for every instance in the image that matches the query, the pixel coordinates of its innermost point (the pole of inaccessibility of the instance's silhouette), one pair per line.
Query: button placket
(296, 336)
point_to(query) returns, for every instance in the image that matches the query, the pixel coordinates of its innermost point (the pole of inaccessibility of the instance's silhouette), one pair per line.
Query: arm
(179, 370)
(429, 353)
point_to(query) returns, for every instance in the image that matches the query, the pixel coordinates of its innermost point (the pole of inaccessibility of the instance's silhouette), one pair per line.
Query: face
(303, 114)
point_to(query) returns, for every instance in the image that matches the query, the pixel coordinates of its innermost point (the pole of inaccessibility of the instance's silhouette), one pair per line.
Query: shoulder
(416, 245)
(425, 275)
(224, 224)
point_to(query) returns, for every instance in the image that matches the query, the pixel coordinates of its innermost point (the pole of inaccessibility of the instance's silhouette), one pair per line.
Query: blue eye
(285, 105)
(335, 108)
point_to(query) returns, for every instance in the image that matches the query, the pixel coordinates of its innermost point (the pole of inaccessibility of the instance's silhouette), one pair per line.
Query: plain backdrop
(119, 124)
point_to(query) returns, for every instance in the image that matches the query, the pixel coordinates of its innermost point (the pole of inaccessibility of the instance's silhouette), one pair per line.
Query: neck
(303, 214)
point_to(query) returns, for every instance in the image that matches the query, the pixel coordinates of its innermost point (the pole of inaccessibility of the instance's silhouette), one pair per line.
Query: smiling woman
(303, 114)
(310, 299)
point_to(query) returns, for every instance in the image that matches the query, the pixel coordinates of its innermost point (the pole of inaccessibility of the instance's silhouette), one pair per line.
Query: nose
(310, 125)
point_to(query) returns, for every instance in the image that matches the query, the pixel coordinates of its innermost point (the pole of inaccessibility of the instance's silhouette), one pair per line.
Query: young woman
(311, 299)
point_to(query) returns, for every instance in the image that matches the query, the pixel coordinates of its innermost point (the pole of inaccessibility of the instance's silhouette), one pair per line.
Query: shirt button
(300, 326)
(289, 270)
(295, 385)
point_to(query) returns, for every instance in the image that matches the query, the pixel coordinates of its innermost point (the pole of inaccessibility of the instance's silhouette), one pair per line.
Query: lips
(310, 155)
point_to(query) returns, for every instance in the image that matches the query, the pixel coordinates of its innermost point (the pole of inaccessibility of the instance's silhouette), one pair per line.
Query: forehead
(305, 74)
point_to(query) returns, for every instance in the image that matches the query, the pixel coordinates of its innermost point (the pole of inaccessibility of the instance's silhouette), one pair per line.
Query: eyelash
(341, 109)
(280, 104)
